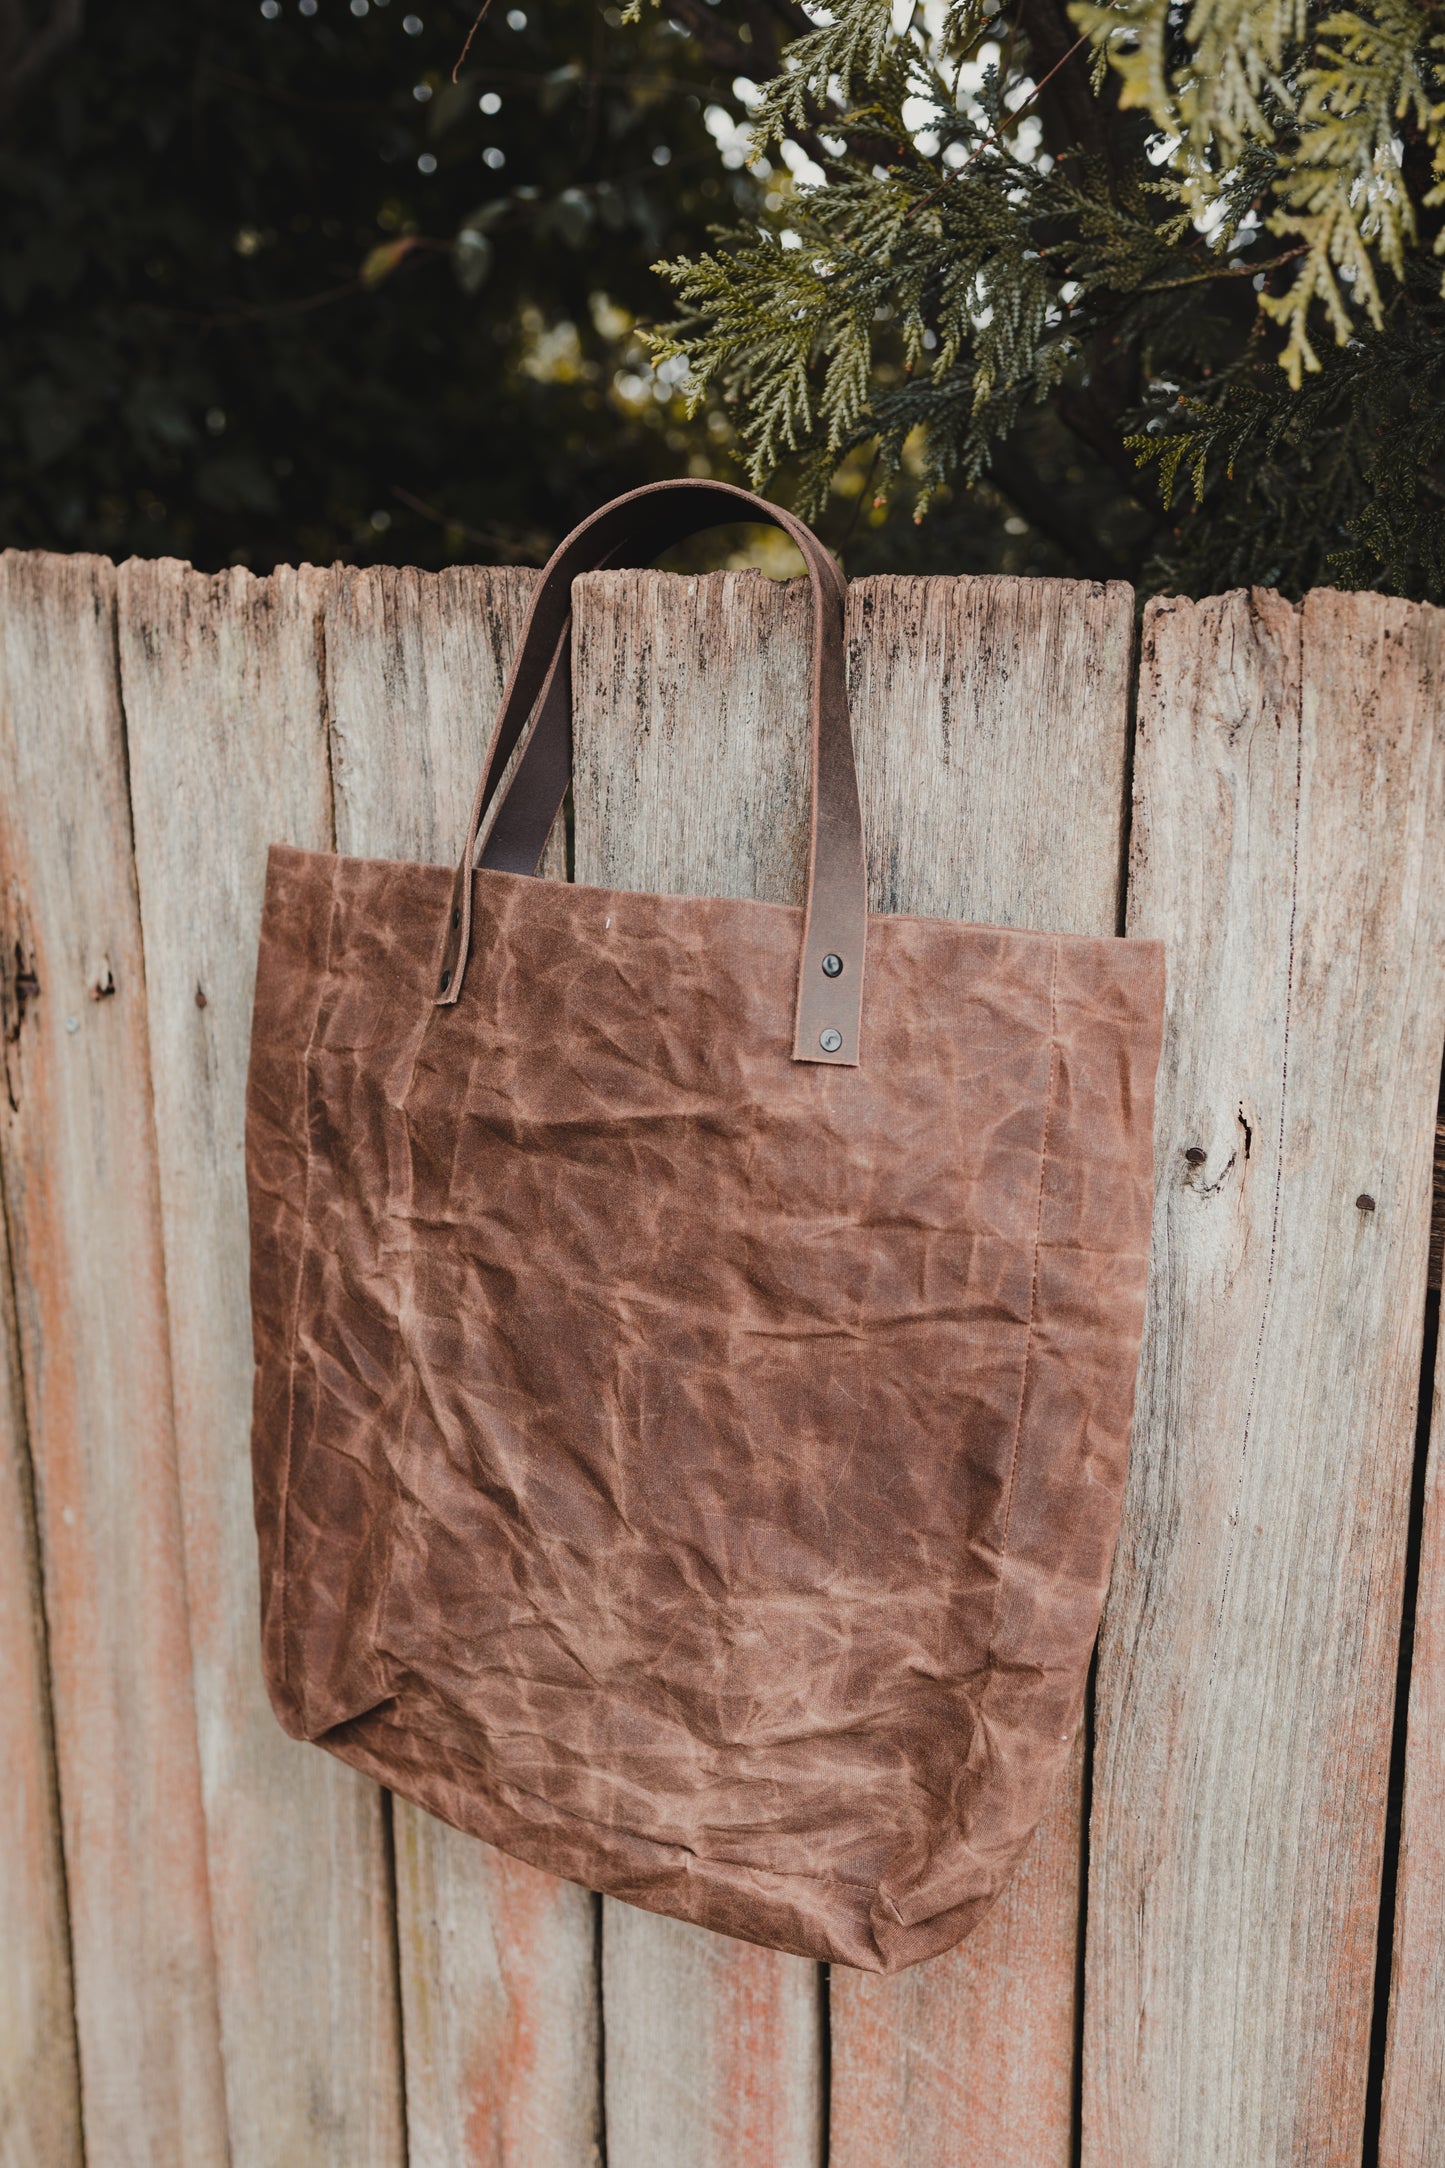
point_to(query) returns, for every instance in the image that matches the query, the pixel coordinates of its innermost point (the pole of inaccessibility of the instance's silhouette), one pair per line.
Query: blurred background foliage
(273, 287)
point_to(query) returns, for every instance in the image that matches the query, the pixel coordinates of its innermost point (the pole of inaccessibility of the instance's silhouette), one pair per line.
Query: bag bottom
(822, 1918)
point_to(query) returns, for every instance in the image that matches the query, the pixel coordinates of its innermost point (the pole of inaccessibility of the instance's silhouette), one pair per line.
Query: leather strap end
(456, 940)
(828, 1018)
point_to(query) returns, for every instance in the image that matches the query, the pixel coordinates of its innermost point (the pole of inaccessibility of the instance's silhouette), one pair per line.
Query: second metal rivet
(830, 1041)
(832, 966)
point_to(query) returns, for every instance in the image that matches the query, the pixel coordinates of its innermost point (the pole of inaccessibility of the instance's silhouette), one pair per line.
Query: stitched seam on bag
(991, 1644)
(1032, 1323)
(295, 1332)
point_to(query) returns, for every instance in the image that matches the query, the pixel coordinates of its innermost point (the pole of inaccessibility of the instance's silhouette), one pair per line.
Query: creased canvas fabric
(692, 1469)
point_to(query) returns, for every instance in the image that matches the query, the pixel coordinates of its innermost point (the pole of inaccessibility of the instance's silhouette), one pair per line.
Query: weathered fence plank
(79, 1163)
(1412, 2121)
(39, 2080)
(1289, 823)
(415, 663)
(970, 2059)
(501, 2006)
(691, 733)
(221, 683)
(991, 718)
(691, 771)
(498, 1965)
(714, 2047)
(1290, 819)
(992, 723)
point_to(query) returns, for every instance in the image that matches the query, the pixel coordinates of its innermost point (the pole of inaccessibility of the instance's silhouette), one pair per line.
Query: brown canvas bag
(695, 1342)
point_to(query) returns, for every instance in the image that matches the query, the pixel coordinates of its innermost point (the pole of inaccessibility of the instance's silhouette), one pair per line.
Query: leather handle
(631, 531)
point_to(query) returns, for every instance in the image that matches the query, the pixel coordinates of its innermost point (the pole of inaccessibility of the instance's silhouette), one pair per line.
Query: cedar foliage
(1204, 238)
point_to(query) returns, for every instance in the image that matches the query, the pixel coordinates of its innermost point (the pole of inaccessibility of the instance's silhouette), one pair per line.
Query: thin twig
(492, 538)
(1229, 271)
(476, 26)
(416, 246)
(997, 136)
(266, 309)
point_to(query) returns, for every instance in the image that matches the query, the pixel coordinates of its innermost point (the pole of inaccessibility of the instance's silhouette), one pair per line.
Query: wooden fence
(1226, 1948)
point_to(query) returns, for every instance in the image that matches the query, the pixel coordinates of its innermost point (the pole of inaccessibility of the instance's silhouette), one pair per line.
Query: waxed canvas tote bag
(695, 1341)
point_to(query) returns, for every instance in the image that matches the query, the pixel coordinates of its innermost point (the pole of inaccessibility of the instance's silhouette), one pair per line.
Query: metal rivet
(457, 916)
(446, 980)
(830, 1041)
(1364, 1202)
(832, 966)
(1196, 1155)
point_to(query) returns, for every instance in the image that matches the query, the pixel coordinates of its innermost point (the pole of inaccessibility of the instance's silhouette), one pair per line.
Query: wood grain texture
(502, 2010)
(39, 2077)
(415, 668)
(690, 777)
(970, 2059)
(1412, 2120)
(690, 762)
(713, 2047)
(1289, 801)
(991, 718)
(79, 1163)
(221, 683)
(498, 1964)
